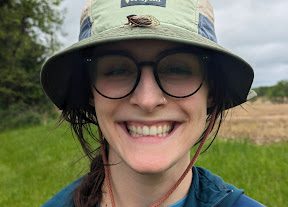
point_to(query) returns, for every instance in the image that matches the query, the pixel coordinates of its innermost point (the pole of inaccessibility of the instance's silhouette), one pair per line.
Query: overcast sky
(255, 30)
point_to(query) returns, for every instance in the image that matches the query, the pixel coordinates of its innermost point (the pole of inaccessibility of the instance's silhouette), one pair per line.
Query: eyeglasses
(178, 72)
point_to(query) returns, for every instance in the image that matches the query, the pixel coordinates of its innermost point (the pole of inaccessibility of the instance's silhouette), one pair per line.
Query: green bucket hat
(189, 22)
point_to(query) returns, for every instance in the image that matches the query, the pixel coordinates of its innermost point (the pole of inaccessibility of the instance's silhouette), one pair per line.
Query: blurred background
(38, 156)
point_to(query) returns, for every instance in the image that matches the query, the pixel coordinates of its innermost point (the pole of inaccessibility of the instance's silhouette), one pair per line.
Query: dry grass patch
(261, 122)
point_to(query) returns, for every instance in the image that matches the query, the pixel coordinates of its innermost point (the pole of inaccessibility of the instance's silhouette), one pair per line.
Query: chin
(150, 165)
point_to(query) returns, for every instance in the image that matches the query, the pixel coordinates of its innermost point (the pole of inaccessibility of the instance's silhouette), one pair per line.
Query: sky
(254, 30)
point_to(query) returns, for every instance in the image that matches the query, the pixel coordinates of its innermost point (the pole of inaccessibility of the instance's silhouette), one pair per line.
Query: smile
(155, 130)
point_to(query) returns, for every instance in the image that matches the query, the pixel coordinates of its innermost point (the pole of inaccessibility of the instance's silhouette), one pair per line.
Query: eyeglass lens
(178, 75)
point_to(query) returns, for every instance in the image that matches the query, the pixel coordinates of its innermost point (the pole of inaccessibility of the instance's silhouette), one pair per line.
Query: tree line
(27, 38)
(277, 93)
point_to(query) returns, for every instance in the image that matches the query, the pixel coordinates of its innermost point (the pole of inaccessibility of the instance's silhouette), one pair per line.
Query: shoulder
(64, 198)
(246, 201)
(205, 179)
(209, 189)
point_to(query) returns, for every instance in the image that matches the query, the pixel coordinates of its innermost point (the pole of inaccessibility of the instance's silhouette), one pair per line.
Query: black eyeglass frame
(202, 55)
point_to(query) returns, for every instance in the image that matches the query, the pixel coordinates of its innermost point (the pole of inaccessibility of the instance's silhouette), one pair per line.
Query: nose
(147, 95)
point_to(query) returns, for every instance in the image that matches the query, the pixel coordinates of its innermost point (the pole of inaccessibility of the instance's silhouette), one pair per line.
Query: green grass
(36, 162)
(262, 171)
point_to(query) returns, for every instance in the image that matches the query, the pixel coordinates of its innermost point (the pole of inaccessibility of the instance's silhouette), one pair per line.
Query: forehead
(140, 49)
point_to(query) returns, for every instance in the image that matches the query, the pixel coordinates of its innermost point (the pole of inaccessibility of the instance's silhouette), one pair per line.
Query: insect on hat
(189, 22)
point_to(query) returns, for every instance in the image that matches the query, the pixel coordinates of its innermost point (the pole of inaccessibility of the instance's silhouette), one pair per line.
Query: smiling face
(149, 131)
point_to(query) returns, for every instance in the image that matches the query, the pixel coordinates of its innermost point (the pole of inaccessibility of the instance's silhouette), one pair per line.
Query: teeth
(146, 130)
(155, 130)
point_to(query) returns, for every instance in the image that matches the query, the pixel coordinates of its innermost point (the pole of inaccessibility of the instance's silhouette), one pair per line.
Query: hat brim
(57, 71)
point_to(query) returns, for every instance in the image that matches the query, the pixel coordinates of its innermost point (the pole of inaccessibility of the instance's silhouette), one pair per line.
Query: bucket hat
(189, 22)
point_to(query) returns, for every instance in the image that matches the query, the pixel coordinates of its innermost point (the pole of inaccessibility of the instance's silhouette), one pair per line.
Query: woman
(152, 79)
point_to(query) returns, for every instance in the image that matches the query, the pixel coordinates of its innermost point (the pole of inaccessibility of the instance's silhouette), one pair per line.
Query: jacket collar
(208, 190)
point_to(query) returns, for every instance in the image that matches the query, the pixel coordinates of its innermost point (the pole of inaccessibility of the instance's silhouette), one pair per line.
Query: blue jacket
(207, 190)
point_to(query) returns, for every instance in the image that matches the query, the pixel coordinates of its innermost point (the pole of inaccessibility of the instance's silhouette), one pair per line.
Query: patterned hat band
(198, 17)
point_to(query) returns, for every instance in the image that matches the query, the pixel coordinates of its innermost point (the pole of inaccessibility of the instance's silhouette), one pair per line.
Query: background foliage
(277, 93)
(27, 38)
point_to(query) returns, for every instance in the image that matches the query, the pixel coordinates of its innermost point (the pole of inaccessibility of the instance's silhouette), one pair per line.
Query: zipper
(228, 192)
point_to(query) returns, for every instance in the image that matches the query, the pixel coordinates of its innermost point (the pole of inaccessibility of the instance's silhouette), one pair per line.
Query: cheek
(195, 107)
(198, 115)
(105, 111)
(104, 107)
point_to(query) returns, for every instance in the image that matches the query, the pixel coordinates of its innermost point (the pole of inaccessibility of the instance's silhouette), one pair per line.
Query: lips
(154, 130)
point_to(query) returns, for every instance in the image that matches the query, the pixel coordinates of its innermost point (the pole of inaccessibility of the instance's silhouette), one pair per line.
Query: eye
(180, 65)
(115, 66)
(175, 70)
(117, 72)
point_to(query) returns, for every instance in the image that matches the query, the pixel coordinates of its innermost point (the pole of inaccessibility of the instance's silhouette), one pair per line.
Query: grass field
(36, 162)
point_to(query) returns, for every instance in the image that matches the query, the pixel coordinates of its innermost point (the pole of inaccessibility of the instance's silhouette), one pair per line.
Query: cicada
(142, 21)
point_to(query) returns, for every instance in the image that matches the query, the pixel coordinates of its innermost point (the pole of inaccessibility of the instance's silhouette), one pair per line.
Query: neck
(144, 189)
